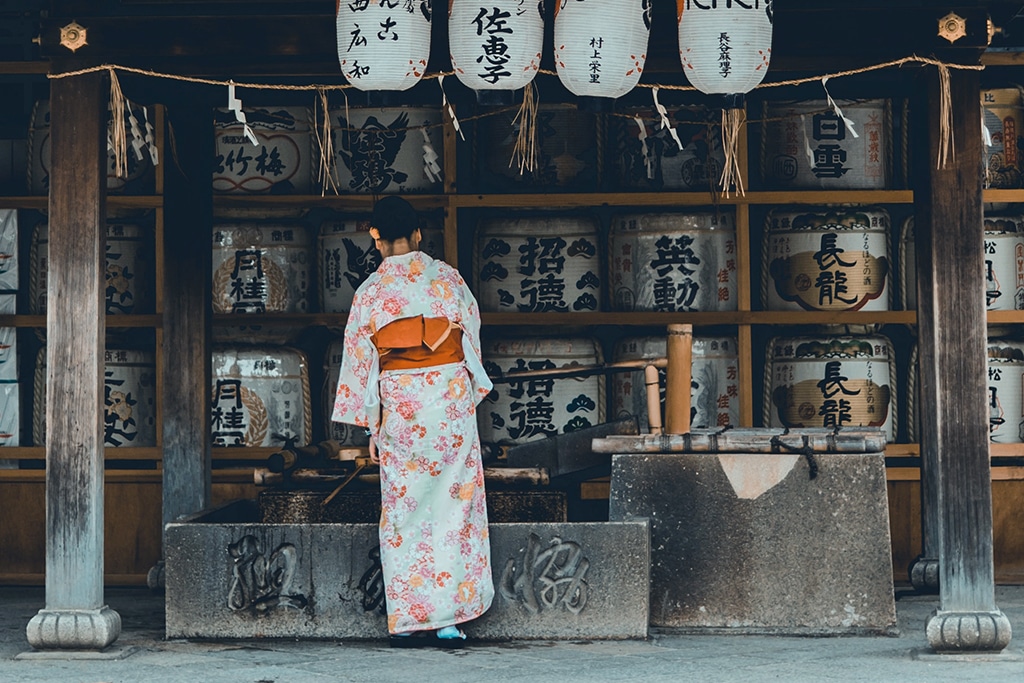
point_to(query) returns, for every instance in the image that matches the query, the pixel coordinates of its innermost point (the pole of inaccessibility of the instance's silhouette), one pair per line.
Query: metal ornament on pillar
(497, 47)
(383, 45)
(601, 47)
(725, 48)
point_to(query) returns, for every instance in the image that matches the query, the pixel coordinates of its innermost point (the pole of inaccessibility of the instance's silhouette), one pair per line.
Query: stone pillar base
(73, 629)
(924, 575)
(963, 632)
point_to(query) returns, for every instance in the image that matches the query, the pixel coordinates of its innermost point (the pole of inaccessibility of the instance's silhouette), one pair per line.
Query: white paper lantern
(383, 44)
(601, 47)
(725, 46)
(495, 46)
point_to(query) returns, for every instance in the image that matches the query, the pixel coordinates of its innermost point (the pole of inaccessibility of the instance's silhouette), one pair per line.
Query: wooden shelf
(110, 453)
(279, 319)
(359, 202)
(113, 321)
(703, 319)
(1003, 196)
(670, 199)
(40, 203)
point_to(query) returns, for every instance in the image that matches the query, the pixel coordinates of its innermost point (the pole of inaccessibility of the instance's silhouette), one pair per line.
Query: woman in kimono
(411, 374)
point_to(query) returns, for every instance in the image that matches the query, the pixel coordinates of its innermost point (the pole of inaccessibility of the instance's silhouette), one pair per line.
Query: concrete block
(228, 576)
(752, 543)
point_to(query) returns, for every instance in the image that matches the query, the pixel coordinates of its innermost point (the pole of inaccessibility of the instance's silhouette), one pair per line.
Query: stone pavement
(665, 656)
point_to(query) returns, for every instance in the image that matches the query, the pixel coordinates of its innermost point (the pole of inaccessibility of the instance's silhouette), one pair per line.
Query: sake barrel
(260, 397)
(1005, 381)
(673, 262)
(10, 415)
(806, 145)
(129, 269)
(714, 388)
(129, 398)
(1003, 120)
(827, 259)
(8, 353)
(565, 152)
(261, 268)
(540, 407)
(346, 256)
(538, 264)
(1004, 263)
(140, 166)
(8, 249)
(831, 382)
(647, 157)
(345, 434)
(280, 162)
(381, 151)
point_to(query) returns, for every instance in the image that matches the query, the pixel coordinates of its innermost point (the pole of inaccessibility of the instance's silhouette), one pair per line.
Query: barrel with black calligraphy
(565, 155)
(538, 264)
(345, 434)
(261, 268)
(831, 382)
(714, 387)
(673, 262)
(129, 398)
(806, 145)
(139, 179)
(260, 397)
(387, 151)
(1004, 263)
(540, 407)
(648, 157)
(129, 268)
(279, 161)
(1005, 398)
(346, 256)
(1003, 133)
(827, 259)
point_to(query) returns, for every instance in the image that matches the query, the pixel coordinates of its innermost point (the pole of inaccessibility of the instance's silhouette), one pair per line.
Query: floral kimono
(420, 406)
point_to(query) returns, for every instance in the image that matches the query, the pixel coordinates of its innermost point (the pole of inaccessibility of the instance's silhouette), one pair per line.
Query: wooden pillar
(949, 239)
(75, 616)
(186, 313)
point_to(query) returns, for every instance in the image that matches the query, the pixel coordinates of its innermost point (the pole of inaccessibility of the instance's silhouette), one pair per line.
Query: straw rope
(524, 154)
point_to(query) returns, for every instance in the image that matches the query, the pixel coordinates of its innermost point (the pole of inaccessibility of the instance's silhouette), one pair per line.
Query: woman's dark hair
(394, 218)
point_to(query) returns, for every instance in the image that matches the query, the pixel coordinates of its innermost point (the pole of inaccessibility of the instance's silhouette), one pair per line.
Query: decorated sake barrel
(279, 162)
(8, 249)
(8, 353)
(828, 259)
(806, 145)
(537, 264)
(129, 270)
(10, 413)
(129, 398)
(140, 166)
(346, 256)
(1003, 120)
(673, 262)
(1004, 263)
(1005, 381)
(540, 407)
(714, 389)
(386, 151)
(831, 382)
(261, 268)
(345, 434)
(260, 397)
(648, 157)
(565, 155)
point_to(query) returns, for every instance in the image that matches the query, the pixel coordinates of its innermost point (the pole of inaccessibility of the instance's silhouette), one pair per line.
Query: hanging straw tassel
(947, 145)
(525, 151)
(326, 145)
(118, 138)
(732, 122)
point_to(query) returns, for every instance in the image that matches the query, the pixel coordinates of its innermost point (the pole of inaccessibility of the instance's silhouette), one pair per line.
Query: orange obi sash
(418, 342)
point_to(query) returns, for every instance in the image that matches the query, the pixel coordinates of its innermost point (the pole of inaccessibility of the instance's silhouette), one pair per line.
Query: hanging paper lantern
(497, 46)
(600, 48)
(383, 44)
(725, 46)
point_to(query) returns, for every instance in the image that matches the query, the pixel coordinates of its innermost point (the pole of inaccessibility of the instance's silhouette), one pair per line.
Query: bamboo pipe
(679, 378)
(262, 476)
(652, 385)
(581, 370)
